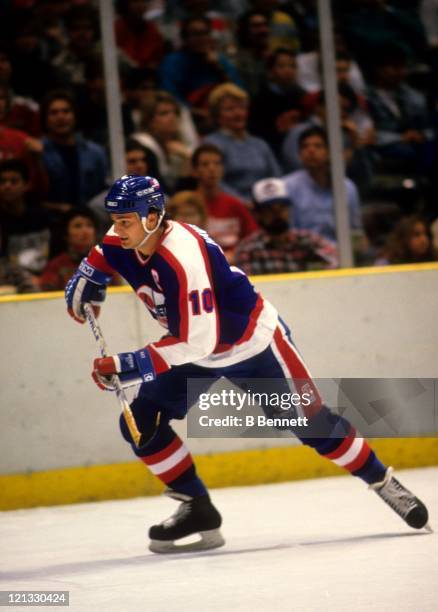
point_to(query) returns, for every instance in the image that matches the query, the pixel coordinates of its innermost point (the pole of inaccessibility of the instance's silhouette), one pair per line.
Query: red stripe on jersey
(177, 470)
(160, 364)
(163, 454)
(253, 321)
(114, 240)
(344, 446)
(98, 260)
(298, 372)
(360, 460)
(207, 265)
(183, 292)
(167, 341)
(249, 331)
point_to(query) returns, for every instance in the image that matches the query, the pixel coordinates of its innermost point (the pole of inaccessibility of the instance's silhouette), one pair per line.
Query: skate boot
(195, 515)
(402, 501)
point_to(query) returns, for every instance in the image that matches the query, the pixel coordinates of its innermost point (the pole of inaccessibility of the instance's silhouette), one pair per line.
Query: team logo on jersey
(155, 303)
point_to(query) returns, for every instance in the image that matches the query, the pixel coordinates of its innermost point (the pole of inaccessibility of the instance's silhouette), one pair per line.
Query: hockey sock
(169, 459)
(337, 440)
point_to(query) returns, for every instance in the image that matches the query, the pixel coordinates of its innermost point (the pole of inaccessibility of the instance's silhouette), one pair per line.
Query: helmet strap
(148, 231)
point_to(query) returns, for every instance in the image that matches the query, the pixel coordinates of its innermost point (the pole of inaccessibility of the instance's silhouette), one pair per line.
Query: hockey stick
(103, 348)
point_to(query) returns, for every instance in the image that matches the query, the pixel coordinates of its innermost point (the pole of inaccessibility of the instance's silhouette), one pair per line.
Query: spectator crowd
(222, 102)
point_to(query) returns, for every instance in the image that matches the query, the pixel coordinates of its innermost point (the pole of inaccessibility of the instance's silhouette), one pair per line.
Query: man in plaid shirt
(277, 247)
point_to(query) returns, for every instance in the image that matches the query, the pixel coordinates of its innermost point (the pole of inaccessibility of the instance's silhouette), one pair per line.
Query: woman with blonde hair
(187, 207)
(247, 158)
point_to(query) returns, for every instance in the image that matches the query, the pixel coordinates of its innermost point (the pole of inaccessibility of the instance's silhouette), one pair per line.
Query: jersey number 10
(206, 301)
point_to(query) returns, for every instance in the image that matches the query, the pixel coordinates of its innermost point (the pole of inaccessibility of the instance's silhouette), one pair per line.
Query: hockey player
(217, 325)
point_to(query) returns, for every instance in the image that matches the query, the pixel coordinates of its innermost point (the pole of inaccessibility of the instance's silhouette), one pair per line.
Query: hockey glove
(88, 284)
(131, 368)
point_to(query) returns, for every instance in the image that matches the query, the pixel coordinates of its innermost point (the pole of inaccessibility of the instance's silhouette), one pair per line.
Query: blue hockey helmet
(133, 193)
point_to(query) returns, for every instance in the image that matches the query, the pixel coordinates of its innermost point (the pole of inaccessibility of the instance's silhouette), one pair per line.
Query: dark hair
(78, 212)
(397, 247)
(186, 23)
(151, 158)
(272, 58)
(56, 94)
(206, 148)
(312, 131)
(15, 165)
(242, 33)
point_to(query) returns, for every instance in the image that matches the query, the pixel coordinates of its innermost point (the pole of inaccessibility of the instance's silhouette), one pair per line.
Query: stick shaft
(120, 394)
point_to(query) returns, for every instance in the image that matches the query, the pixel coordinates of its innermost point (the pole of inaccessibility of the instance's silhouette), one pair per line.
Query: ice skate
(402, 501)
(195, 515)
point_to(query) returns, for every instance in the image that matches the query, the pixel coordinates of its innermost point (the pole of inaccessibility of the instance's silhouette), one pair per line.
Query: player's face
(209, 170)
(314, 152)
(129, 229)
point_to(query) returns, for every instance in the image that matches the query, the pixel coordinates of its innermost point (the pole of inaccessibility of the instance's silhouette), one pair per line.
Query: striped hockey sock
(345, 447)
(169, 459)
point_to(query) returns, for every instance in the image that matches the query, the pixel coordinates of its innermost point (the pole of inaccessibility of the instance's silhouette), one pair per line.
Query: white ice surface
(318, 545)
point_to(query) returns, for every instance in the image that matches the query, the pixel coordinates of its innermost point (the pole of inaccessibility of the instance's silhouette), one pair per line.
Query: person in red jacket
(229, 220)
(80, 234)
(138, 38)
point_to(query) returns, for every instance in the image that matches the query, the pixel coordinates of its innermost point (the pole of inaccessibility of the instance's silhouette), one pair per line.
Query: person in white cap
(277, 247)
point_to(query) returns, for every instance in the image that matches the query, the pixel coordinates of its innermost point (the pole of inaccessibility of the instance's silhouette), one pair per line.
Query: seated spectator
(14, 279)
(32, 74)
(247, 158)
(138, 38)
(15, 144)
(77, 168)
(190, 73)
(402, 122)
(162, 131)
(282, 27)
(79, 234)
(21, 113)
(187, 207)
(311, 192)
(138, 85)
(305, 16)
(24, 228)
(410, 242)
(280, 103)
(92, 108)
(229, 220)
(253, 36)
(309, 65)
(177, 11)
(82, 34)
(357, 133)
(138, 160)
(278, 247)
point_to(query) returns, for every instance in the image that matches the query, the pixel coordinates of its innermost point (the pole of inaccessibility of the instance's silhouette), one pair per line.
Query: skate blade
(209, 539)
(428, 528)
